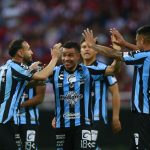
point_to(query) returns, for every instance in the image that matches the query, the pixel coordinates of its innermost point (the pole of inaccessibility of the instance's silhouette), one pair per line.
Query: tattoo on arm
(109, 52)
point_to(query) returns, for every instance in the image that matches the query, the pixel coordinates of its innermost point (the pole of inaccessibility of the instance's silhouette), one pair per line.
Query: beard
(28, 61)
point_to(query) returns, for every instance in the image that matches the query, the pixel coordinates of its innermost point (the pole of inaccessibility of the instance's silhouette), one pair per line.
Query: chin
(87, 58)
(68, 68)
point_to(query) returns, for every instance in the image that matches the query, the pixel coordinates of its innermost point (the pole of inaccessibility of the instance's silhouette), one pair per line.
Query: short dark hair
(14, 46)
(71, 44)
(145, 31)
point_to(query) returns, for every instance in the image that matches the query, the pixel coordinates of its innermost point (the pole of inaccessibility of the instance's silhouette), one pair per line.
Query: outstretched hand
(117, 37)
(114, 43)
(89, 37)
(56, 50)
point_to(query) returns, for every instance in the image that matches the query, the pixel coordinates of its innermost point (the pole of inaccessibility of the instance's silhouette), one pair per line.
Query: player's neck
(72, 69)
(88, 62)
(17, 59)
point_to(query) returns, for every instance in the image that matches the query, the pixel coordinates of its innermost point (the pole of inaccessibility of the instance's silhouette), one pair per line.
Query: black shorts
(140, 137)
(98, 130)
(74, 138)
(7, 141)
(27, 136)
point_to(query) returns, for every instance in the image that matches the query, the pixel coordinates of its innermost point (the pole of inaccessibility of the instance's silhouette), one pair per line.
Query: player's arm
(34, 83)
(116, 125)
(48, 70)
(104, 50)
(113, 68)
(121, 41)
(114, 90)
(37, 99)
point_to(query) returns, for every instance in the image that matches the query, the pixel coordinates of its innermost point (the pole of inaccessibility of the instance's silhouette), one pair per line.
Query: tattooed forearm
(109, 52)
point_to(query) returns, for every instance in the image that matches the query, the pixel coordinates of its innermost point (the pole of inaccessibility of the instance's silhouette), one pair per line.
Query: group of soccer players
(80, 92)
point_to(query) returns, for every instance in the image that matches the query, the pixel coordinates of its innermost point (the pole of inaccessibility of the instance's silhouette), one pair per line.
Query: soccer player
(26, 118)
(141, 82)
(99, 96)
(14, 76)
(72, 83)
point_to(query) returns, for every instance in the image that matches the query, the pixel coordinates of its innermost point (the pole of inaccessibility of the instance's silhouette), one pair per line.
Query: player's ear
(20, 53)
(142, 40)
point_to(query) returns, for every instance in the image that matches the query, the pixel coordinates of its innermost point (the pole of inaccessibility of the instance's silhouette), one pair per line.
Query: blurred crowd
(45, 22)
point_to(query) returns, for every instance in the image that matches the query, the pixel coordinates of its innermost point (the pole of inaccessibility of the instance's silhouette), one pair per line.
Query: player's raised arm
(121, 41)
(48, 70)
(113, 68)
(104, 50)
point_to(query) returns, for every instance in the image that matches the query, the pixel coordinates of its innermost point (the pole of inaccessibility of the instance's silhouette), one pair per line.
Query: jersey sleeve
(21, 72)
(111, 80)
(134, 57)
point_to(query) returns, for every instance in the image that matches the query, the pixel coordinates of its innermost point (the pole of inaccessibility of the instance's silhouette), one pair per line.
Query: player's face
(139, 41)
(70, 58)
(87, 53)
(27, 52)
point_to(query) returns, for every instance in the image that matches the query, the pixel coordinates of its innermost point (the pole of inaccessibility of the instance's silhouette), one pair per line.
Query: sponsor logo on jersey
(71, 97)
(30, 136)
(71, 115)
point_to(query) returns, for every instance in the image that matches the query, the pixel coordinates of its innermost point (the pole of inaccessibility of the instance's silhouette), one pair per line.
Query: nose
(87, 48)
(67, 58)
(31, 52)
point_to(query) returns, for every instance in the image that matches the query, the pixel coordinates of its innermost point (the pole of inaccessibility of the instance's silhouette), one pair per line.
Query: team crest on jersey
(71, 78)
(71, 97)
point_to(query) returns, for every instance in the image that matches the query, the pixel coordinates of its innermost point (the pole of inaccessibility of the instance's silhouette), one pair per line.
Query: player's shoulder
(139, 52)
(101, 64)
(58, 67)
(81, 66)
(17, 65)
